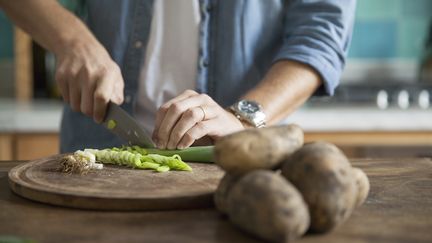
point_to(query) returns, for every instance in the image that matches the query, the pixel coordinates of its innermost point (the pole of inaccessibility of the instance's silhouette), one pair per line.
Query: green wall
(6, 30)
(387, 29)
(6, 38)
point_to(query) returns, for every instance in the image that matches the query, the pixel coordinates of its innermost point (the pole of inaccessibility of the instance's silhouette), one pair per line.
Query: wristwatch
(250, 112)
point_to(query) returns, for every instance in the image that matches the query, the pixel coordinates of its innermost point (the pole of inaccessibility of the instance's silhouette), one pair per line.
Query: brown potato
(323, 174)
(221, 193)
(363, 186)
(266, 205)
(253, 149)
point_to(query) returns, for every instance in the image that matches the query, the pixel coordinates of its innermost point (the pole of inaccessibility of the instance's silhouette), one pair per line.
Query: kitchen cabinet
(390, 144)
(6, 145)
(27, 146)
(30, 145)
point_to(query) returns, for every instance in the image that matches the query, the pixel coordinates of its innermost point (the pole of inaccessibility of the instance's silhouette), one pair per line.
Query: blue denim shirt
(239, 41)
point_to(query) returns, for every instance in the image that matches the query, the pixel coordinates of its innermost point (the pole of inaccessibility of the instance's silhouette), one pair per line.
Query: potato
(221, 193)
(253, 149)
(363, 186)
(323, 174)
(266, 205)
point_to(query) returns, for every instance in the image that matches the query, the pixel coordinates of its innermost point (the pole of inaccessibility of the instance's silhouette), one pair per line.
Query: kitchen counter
(398, 209)
(25, 117)
(361, 118)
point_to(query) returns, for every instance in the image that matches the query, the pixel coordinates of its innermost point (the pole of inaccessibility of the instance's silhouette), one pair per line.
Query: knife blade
(119, 122)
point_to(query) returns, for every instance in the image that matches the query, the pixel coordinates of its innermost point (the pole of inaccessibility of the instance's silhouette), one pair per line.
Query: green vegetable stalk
(134, 159)
(192, 154)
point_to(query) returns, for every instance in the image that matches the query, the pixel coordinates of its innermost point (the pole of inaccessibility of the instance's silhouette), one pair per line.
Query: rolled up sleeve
(317, 33)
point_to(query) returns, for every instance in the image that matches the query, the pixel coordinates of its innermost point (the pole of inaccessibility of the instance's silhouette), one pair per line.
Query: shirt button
(138, 44)
(205, 8)
(128, 99)
(204, 62)
(209, 7)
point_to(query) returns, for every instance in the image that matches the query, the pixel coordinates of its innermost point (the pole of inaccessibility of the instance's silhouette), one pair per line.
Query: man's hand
(87, 76)
(89, 79)
(189, 117)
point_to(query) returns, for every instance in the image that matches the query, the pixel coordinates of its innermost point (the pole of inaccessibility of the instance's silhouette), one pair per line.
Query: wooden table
(399, 209)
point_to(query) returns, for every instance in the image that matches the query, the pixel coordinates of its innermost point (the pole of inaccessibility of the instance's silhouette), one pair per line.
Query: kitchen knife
(119, 122)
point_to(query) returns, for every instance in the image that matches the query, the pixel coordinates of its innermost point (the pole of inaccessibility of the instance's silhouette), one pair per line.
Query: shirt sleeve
(318, 33)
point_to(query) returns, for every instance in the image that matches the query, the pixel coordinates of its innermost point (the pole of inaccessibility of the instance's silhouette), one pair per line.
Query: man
(261, 57)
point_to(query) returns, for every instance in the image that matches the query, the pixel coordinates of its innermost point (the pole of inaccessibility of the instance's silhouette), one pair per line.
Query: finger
(74, 95)
(198, 131)
(61, 80)
(102, 95)
(160, 114)
(71, 77)
(173, 115)
(189, 118)
(118, 90)
(187, 93)
(87, 81)
(118, 93)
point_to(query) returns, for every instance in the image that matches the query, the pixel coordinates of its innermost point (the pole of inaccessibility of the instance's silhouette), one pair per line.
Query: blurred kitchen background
(381, 109)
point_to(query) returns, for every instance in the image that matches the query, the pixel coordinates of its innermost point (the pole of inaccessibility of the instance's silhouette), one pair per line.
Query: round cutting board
(115, 187)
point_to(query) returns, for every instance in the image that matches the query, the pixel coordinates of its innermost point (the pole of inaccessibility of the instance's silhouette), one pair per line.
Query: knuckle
(163, 109)
(205, 97)
(101, 97)
(176, 108)
(59, 75)
(175, 136)
(102, 71)
(114, 67)
(189, 137)
(190, 92)
(190, 113)
(201, 125)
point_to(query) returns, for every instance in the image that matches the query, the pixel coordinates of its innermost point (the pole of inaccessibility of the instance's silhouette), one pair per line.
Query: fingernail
(180, 147)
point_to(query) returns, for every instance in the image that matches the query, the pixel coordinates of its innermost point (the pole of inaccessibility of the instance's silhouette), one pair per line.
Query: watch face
(249, 107)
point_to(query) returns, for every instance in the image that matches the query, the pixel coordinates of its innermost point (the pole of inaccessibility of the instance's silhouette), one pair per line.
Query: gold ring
(204, 113)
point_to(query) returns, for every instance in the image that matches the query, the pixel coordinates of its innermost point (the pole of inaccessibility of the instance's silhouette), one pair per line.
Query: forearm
(51, 25)
(287, 85)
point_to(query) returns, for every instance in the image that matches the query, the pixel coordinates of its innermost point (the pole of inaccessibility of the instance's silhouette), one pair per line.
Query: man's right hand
(88, 79)
(87, 76)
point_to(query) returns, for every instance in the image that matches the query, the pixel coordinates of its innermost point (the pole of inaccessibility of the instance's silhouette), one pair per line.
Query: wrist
(69, 40)
(250, 113)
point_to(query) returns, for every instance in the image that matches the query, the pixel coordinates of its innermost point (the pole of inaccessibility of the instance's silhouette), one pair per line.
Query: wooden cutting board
(116, 187)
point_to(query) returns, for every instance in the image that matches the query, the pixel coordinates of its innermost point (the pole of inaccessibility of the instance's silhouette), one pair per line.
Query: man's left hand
(189, 117)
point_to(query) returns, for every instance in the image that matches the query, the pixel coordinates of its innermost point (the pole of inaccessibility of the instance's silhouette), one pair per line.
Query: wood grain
(23, 65)
(115, 187)
(6, 147)
(373, 138)
(30, 146)
(398, 210)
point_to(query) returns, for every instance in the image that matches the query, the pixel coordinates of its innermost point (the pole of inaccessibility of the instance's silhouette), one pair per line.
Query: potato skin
(253, 149)
(363, 186)
(323, 174)
(266, 205)
(221, 194)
